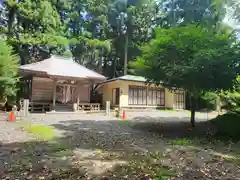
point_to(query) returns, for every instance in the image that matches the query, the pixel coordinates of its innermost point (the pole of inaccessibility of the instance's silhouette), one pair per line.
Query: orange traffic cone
(12, 117)
(124, 115)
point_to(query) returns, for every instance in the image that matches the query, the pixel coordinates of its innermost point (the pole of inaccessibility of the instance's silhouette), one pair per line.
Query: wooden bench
(89, 107)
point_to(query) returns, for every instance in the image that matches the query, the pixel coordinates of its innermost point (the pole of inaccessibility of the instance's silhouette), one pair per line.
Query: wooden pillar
(30, 88)
(54, 95)
(78, 94)
(147, 96)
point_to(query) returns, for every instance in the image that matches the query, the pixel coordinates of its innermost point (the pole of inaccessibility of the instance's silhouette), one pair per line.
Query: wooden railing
(89, 107)
(39, 107)
(44, 107)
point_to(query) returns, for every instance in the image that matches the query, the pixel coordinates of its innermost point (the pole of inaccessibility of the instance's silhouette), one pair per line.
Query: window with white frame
(139, 95)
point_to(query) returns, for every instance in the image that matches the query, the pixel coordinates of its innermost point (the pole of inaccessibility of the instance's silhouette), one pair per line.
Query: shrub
(208, 99)
(231, 98)
(228, 125)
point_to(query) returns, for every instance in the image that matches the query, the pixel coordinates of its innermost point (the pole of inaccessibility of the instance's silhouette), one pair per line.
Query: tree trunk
(11, 18)
(193, 110)
(126, 54)
(114, 65)
(193, 117)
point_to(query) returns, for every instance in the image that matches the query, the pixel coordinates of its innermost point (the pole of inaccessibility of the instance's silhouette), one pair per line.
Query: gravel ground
(98, 144)
(11, 133)
(138, 116)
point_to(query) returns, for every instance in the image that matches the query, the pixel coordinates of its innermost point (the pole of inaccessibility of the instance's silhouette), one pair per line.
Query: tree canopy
(193, 58)
(94, 32)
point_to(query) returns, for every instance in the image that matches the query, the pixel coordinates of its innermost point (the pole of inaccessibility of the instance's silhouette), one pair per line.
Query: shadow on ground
(174, 127)
(100, 149)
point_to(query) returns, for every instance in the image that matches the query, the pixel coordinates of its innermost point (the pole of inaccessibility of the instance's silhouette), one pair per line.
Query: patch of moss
(42, 132)
(181, 142)
(126, 122)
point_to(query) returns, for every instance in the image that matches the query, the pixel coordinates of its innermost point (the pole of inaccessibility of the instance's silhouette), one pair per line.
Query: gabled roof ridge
(34, 63)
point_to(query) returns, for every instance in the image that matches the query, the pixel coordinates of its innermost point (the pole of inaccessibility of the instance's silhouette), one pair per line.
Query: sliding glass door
(140, 95)
(179, 100)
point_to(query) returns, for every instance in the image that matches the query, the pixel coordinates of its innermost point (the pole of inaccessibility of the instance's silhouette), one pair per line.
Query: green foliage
(95, 31)
(228, 125)
(193, 58)
(33, 28)
(231, 98)
(8, 70)
(209, 96)
(208, 100)
(207, 12)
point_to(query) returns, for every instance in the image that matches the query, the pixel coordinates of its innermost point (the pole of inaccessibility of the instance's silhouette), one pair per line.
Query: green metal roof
(132, 78)
(126, 78)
